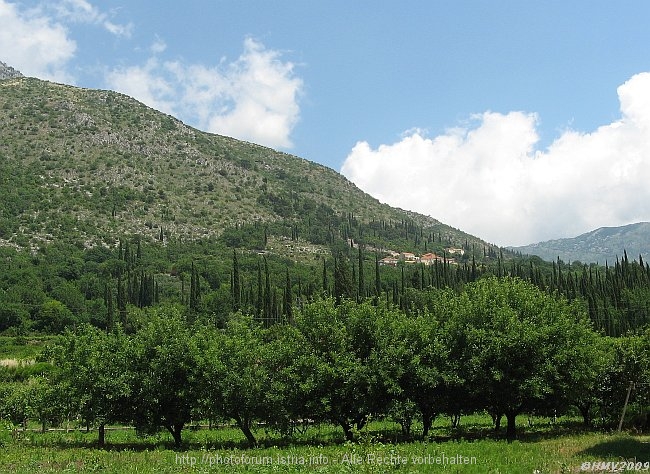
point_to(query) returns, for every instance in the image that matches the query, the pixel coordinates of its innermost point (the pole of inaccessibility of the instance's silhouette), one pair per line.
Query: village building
(408, 257)
(455, 251)
(389, 261)
(431, 258)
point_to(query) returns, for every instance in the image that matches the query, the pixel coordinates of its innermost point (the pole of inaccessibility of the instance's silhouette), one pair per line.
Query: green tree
(233, 375)
(520, 348)
(342, 338)
(292, 388)
(343, 281)
(164, 361)
(92, 370)
(53, 317)
(415, 366)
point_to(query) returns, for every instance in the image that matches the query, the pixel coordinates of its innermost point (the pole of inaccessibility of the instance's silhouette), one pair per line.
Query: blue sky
(515, 121)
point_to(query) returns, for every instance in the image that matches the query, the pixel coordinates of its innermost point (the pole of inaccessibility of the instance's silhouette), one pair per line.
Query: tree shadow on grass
(193, 441)
(160, 442)
(626, 448)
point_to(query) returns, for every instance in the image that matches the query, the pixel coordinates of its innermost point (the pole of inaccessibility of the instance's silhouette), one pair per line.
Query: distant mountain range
(598, 246)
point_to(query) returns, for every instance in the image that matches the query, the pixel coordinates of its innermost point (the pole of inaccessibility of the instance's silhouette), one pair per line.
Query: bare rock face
(7, 72)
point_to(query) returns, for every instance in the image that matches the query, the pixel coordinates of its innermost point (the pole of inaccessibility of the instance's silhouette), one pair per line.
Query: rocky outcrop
(7, 72)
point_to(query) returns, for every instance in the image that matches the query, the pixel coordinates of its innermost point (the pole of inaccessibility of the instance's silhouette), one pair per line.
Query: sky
(514, 121)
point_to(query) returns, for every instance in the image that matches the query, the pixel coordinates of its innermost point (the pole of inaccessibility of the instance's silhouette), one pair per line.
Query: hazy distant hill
(600, 245)
(90, 165)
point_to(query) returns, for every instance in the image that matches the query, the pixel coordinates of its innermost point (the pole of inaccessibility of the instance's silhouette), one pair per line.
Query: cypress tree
(260, 291)
(377, 277)
(108, 299)
(288, 299)
(142, 293)
(362, 284)
(121, 300)
(343, 282)
(195, 291)
(325, 282)
(236, 290)
(268, 303)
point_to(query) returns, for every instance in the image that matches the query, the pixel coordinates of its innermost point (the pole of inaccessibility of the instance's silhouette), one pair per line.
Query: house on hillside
(408, 257)
(389, 261)
(430, 259)
(455, 251)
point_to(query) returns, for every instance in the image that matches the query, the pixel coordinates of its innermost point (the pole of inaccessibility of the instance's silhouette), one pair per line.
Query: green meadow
(541, 447)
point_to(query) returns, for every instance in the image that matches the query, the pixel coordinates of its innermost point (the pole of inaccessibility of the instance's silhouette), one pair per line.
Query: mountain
(597, 246)
(89, 166)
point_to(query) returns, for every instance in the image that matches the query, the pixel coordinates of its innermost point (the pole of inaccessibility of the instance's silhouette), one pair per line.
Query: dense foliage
(500, 345)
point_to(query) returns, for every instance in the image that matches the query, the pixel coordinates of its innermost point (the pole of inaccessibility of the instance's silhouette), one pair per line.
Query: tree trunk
(175, 431)
(455, 420)
(511, 430)
(405, 423)
(245, 427)
(347, 430)
(496, 419)
(427, 422)
(585, 411)
(361, 421)
(102, 435)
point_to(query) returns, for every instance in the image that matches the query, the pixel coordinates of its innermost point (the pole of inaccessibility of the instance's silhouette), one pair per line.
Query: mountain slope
(597, 246)
(90, 165)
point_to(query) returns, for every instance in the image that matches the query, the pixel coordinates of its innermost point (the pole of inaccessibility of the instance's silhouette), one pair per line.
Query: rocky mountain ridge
(7, 72)
(604, 244)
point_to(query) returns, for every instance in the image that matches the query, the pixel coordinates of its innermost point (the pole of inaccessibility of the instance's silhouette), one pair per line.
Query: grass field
(561, 448)
(22, 348)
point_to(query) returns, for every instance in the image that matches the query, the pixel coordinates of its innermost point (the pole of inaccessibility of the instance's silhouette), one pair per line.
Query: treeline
(501, 345)
(62, 285)
(616, 297)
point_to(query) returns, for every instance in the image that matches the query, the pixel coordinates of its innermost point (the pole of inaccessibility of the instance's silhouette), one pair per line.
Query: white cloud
(487, 177)
(82, 11)
(38, 42)
(158, 46)
(145, 84)
(252, 98)
(34, 44)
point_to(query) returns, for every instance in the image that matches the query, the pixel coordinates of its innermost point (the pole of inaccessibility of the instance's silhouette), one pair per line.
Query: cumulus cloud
(254, 97)
(35, 44)
(37, 41)
(488, 178)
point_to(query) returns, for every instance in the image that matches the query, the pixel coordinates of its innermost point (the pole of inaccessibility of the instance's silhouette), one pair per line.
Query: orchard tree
(233, 374)
(346, 382)
(164, 361)
(520, 347)
(293, 381)
(93, 376)
(628, 369)
(415, 367)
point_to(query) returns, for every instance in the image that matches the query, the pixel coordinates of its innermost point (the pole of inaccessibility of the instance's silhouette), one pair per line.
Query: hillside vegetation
(89, 166)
